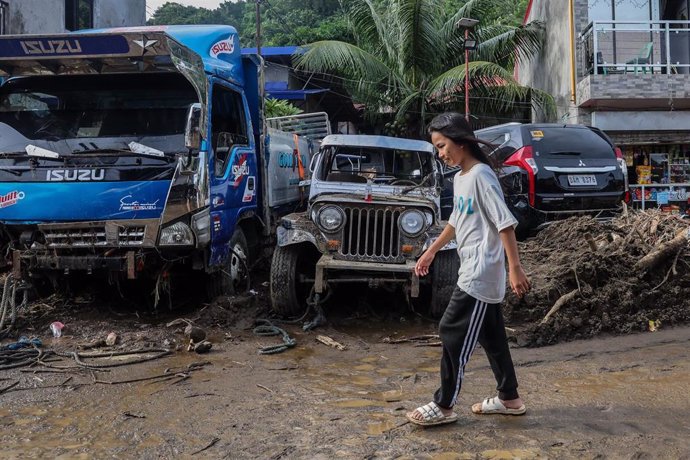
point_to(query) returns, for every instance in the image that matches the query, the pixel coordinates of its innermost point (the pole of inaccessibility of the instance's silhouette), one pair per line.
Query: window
(4, 15)
(78, 14)
(621, 10)
(381, 165)
(91, 106)
(228, 125)
(600, 10)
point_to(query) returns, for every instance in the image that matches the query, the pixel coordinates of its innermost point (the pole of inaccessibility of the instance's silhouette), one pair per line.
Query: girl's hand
(519, 281)
(424, 262)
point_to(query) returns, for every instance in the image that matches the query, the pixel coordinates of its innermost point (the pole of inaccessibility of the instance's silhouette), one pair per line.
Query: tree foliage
(284, 22)
(408, 58)
(298, 22)
(280, 108)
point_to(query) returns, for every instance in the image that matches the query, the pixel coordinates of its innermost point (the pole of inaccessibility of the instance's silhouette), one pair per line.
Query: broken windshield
(385, 166)
(96, 106)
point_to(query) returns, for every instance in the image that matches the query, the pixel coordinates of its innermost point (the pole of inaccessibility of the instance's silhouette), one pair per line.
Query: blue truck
(143, 153)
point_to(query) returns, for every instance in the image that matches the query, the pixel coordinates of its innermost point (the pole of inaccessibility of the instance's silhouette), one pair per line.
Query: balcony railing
(615, 47)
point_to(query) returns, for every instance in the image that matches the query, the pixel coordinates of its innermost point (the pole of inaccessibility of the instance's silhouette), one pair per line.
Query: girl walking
(484, 230)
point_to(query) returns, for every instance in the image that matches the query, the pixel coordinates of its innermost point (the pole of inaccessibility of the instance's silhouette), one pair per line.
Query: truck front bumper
(328, 263)
(65, 263)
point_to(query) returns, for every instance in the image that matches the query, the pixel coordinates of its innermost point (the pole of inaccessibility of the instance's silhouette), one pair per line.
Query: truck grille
(371, 233)
(94, 236)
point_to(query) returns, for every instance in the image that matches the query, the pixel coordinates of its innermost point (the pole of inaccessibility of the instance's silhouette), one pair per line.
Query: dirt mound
(590, 277)
(238, 312)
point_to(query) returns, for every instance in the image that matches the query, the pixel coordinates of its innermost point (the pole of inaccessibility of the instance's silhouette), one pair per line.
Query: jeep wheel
(444, 278)
(231, 278)
(289, 265)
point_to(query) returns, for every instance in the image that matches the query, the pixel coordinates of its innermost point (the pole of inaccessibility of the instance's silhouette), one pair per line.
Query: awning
(294, 94)
(275, 50)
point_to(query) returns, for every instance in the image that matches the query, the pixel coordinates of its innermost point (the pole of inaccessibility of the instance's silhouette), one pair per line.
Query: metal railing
(311, 125)
(614, 47)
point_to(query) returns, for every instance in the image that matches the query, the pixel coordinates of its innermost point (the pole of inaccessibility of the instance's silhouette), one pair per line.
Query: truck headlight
(412, 222)
(177, 234)
(330, 218)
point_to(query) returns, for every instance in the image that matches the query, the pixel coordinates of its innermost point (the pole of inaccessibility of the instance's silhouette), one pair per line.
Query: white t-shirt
(479, 213)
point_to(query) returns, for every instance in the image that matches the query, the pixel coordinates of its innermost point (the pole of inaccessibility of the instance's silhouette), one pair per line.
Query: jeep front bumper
(387, 271)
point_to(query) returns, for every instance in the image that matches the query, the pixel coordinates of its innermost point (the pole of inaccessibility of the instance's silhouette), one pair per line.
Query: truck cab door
(233, 165)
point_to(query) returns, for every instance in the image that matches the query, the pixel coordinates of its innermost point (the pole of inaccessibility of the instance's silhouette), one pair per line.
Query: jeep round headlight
(330, 218)
(412, 222)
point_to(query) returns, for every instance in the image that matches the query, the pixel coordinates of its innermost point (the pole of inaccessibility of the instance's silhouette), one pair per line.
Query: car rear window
(562, 142)
(502, 144)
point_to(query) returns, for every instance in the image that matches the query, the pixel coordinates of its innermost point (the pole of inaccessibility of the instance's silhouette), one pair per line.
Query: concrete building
(622, 66)
(53, 16)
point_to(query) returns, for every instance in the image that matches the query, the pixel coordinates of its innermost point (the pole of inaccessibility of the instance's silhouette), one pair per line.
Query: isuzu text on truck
(141, 153)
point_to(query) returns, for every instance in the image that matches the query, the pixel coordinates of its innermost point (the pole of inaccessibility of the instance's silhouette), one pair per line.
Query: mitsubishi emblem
(582, 163)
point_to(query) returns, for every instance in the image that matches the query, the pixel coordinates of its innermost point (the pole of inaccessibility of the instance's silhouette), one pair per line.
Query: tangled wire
(8, 304)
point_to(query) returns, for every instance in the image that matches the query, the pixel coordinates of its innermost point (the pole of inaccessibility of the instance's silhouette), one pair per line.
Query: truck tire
(288, 296)
(232, 277)
(444, 278)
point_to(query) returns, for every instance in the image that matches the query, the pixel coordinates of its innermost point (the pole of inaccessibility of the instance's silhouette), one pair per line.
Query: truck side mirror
(192, 133)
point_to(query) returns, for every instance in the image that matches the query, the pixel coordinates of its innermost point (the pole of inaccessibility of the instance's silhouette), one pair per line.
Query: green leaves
(280, 108)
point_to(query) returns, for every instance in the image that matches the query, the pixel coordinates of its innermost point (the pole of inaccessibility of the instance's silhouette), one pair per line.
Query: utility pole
(467, 24)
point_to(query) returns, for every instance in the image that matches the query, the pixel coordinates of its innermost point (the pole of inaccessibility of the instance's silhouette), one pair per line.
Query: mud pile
(588, 277)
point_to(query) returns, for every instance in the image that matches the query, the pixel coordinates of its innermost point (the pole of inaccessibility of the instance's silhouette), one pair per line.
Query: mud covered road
(622, 397)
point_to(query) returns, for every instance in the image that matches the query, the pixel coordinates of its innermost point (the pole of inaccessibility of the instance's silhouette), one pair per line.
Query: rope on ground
(265, 328)
(14, 358)
(159, 353)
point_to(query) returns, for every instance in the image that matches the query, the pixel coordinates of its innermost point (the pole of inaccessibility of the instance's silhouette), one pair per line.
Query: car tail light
(523, 158)
(628, 197)
(623, 165)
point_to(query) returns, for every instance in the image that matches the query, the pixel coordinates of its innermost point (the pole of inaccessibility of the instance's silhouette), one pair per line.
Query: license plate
(582, 180)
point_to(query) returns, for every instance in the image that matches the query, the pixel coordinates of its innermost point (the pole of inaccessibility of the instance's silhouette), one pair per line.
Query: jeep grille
(372, 233)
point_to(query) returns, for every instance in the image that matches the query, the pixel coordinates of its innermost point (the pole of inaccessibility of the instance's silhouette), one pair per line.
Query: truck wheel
(288, 295)
(238, 263)
(444, 278)
(232, 277)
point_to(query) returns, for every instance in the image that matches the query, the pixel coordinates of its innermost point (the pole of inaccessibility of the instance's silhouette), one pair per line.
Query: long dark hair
(455, 127)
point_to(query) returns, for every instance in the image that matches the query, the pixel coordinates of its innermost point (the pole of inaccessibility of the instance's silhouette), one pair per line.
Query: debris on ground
(590, 277)
(111, 339)
(324, 339)
(199, 347)
(428, 340)
(56, 328)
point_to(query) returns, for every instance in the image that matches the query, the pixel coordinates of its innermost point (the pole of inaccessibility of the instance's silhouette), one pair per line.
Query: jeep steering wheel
(403, 182)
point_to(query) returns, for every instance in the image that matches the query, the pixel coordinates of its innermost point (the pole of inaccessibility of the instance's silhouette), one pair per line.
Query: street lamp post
(468, 44)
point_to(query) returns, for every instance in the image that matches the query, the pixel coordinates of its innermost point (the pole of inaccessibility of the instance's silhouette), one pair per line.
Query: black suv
(550, 171)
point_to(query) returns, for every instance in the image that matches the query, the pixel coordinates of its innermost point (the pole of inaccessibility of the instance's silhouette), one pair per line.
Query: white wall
(119, 13)
(48, 16)
(36, 16)
(550, 69)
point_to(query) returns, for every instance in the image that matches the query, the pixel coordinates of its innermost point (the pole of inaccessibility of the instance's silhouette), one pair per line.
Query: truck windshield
(354, 164)
(92, 106)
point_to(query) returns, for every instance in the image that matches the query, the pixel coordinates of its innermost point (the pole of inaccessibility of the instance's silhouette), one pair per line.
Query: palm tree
(409, 60)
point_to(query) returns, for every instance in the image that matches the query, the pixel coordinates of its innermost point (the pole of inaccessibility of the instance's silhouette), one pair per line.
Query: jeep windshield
(380, 165)
(86, 108)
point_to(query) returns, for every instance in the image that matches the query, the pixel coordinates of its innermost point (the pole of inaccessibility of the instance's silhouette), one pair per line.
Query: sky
(152, 5)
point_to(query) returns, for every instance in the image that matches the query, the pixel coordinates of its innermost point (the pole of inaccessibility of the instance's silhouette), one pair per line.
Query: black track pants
(466, 321)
